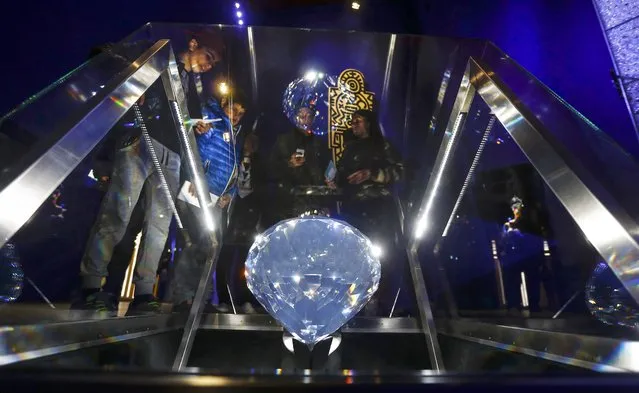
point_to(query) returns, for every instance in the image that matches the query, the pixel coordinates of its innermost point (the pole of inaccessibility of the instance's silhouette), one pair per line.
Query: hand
(360, 176)
(202, 128)
(296, 161)
(224, 201)
(330, 183)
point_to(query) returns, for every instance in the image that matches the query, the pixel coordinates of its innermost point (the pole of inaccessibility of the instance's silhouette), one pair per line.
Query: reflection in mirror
(510, 248)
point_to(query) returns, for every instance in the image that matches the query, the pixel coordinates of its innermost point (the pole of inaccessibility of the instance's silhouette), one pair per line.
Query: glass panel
(271, 110)
(29, 130)
(511, 255)
(613, 169)
(114, 206)
(283, 166)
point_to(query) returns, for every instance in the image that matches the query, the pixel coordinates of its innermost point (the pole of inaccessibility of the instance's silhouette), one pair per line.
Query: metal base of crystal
(336, 340)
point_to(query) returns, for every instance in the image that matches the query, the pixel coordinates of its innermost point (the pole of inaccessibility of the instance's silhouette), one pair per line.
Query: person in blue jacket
(219, 149)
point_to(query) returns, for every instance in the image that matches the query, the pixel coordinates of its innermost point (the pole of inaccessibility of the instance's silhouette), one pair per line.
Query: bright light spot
(377, 250)
(310, 76)
(258, 238)
(239, 14)
(223, 87)
(101, 86)
(355, 5)
(297, 279)
(241, 22)
(92, 175)
(227, 137)
(421, 227)
(237, 5)
(93, 93)
(320, 75)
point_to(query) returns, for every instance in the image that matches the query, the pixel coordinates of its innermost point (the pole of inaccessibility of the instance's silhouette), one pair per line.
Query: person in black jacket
(298, 159)
(365, 173)
(367, 169)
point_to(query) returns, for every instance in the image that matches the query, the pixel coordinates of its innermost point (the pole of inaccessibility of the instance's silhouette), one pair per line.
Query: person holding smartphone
(298, 159)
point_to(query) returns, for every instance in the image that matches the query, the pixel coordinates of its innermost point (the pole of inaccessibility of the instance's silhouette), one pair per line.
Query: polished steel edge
(27, 342)
(389, 66)
(195, 313)
(608, 232)
(425, 312)
(251, 46)
(23, 196)
(267, 323)
(447, 147)
(585, 351)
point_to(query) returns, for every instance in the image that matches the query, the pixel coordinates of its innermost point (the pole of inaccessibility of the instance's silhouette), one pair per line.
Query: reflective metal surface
(27, 342)
(24, 195)
(587, 351)
(267, 323)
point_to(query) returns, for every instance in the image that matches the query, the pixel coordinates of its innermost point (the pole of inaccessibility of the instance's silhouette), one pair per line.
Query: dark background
(558, 41)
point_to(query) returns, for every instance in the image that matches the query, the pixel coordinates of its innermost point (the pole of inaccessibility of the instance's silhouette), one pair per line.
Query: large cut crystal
(312, 274)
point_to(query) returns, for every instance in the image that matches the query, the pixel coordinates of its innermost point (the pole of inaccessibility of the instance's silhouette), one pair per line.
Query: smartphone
(299, 153)
(331, 171)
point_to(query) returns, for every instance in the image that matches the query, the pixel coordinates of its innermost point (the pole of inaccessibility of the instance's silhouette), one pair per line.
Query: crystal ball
(310, 91)
(312, 274)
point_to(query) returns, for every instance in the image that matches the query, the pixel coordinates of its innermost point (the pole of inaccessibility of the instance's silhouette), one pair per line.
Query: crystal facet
(312, 274)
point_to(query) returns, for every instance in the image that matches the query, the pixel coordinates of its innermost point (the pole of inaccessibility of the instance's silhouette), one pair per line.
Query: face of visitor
(193, 45)
(201, 61)
(305, 118)
(235, 113)
(359, 126)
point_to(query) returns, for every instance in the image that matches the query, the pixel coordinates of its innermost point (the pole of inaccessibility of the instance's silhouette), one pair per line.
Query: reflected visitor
(522, 258)
(193, 64)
